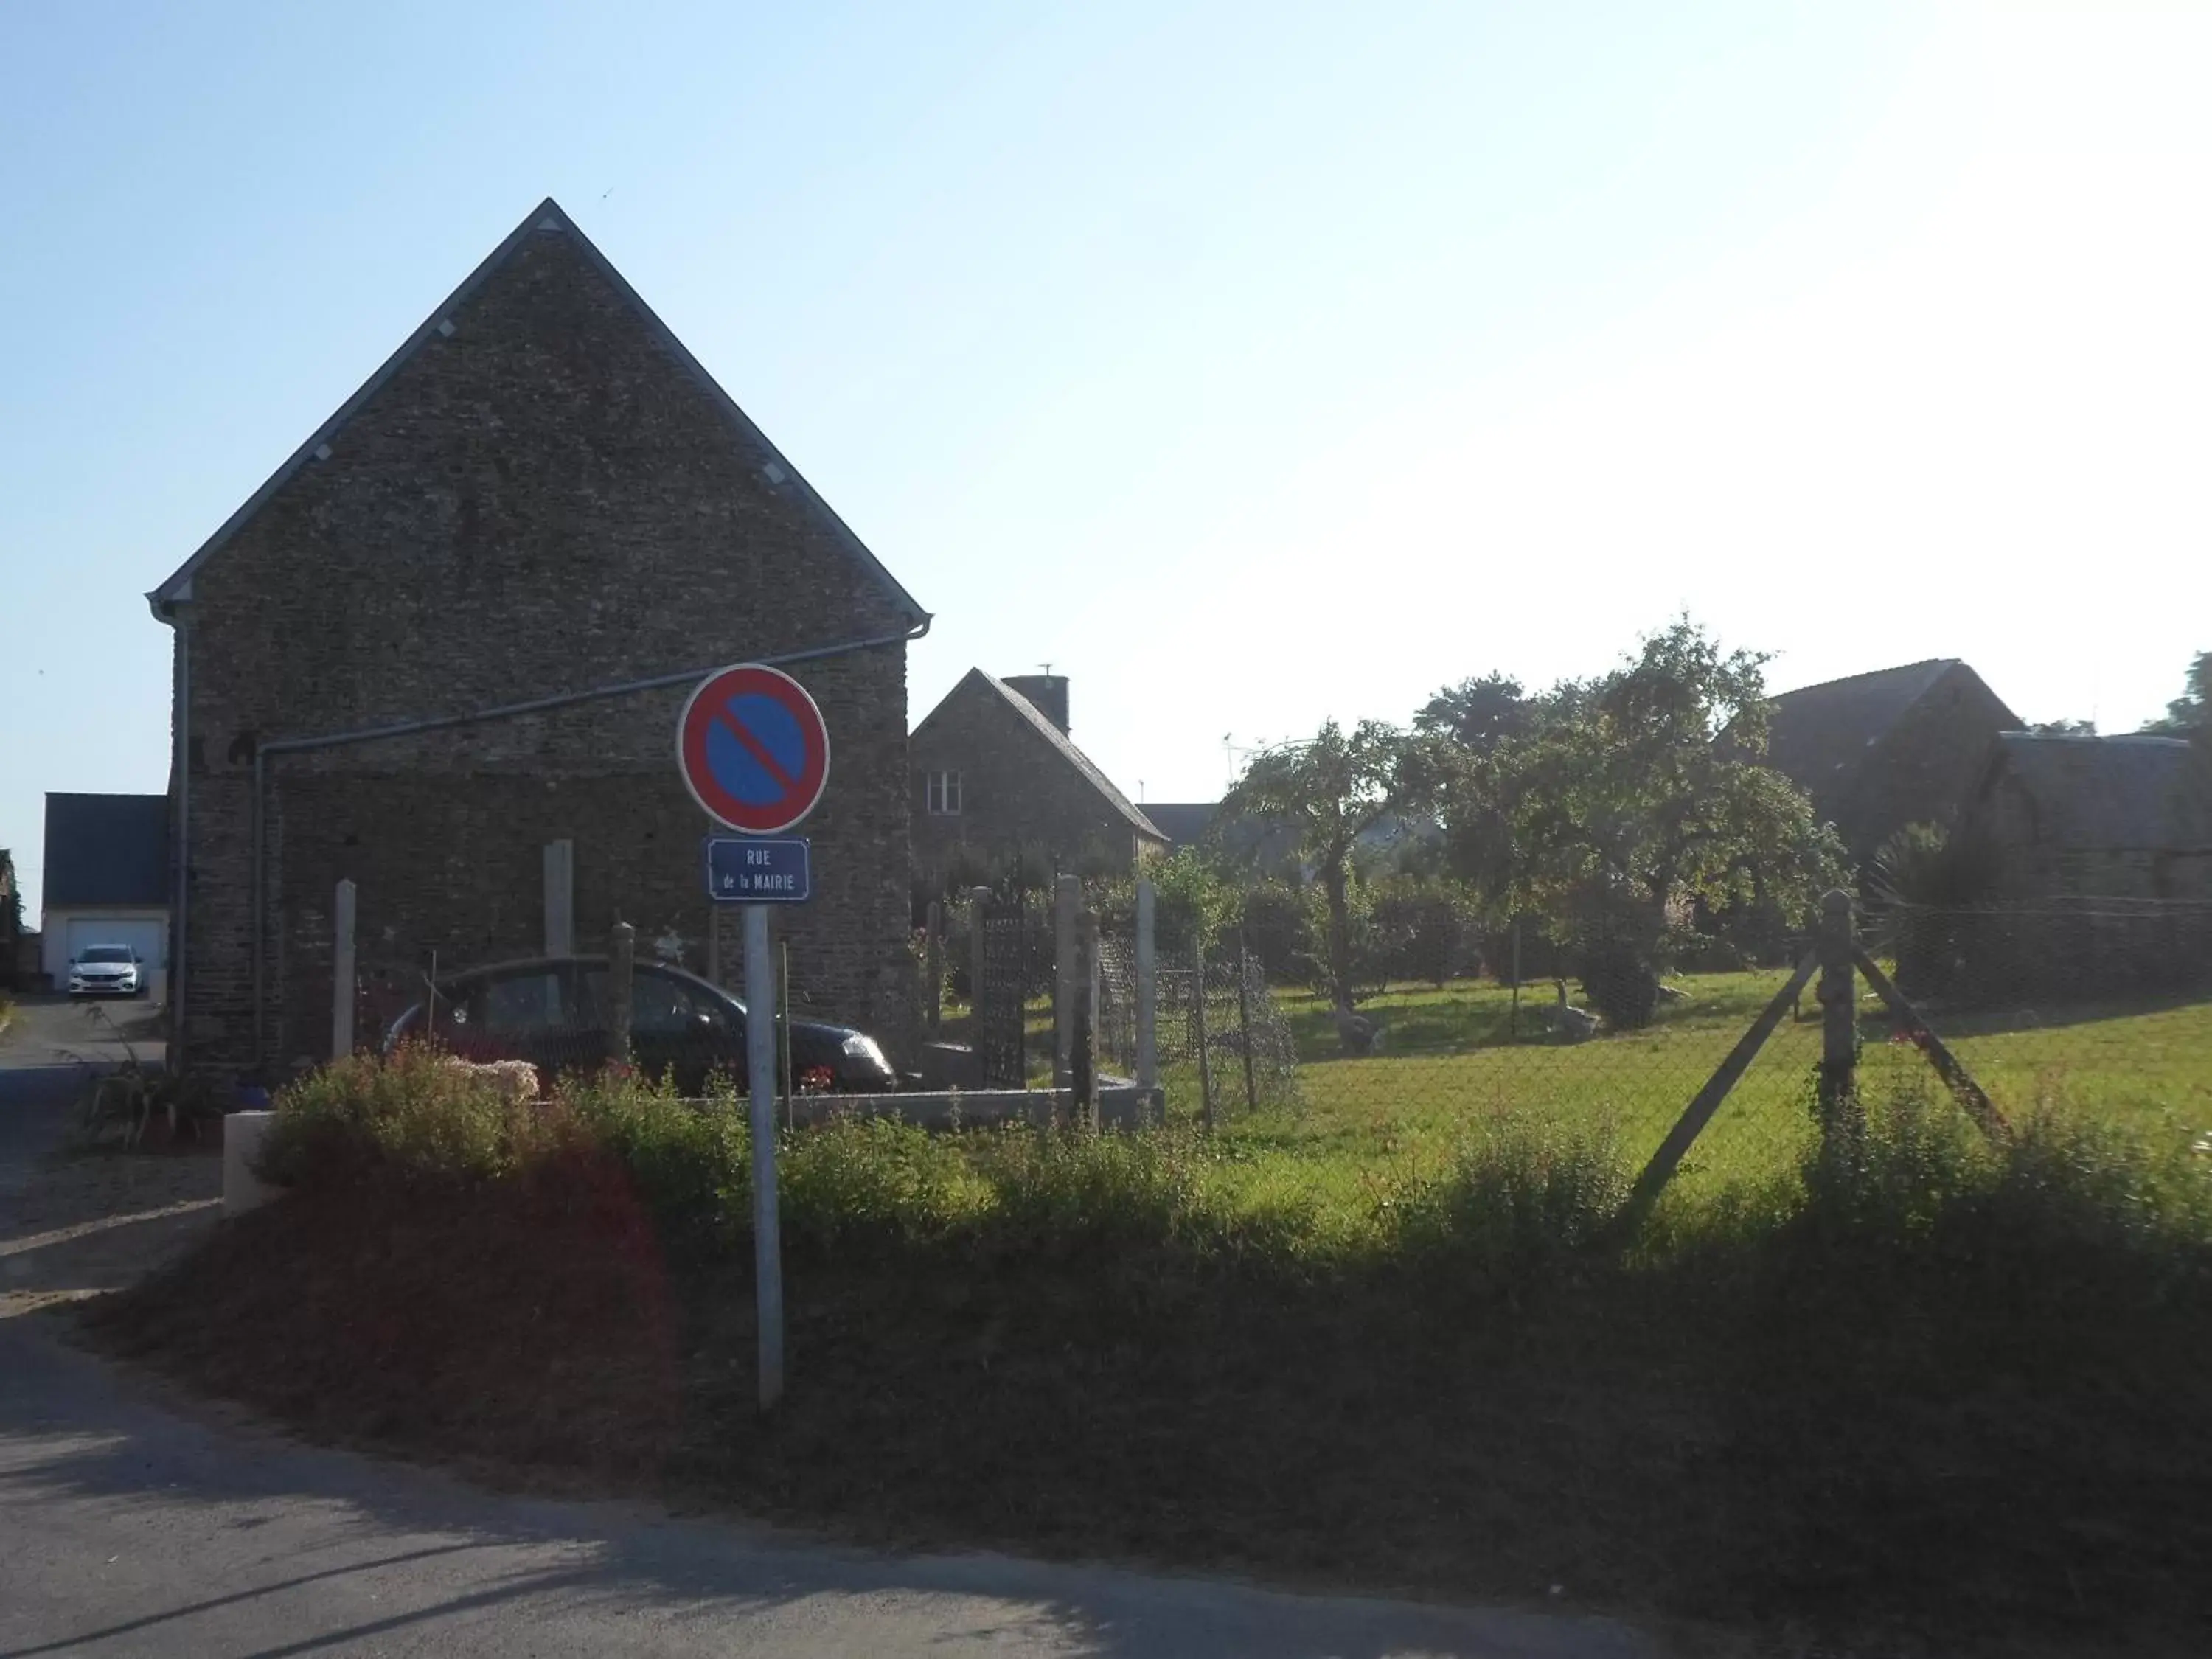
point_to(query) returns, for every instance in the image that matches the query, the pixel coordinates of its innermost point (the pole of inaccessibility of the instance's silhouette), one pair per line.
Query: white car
(107, 970)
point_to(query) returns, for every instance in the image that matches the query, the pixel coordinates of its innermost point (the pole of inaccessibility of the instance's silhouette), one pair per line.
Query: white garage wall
(66, 931)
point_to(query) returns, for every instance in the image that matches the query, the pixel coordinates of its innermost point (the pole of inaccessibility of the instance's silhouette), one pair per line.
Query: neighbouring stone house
(995, 775)
(450, 637)
(2123, 818)
(1879, 751)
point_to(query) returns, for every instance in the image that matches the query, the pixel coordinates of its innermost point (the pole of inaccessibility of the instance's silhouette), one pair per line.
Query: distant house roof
(106, 850)
(1182, 822)
(976, 680)
(1817, 733)
(2132, 793)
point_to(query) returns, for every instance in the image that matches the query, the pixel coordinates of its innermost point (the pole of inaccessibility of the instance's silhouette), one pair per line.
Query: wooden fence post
(1513, 1020)
(1841, 1116)
(1148, 1039)
(621, 956)
(1198, 1018)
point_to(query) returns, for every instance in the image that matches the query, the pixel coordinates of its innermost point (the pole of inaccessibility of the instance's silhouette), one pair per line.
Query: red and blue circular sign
(753, 750)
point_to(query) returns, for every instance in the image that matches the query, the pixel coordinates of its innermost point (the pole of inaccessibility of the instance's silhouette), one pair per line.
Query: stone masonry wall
(544, 501)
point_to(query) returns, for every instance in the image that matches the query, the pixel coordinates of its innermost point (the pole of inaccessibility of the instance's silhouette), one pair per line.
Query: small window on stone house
(942, 791)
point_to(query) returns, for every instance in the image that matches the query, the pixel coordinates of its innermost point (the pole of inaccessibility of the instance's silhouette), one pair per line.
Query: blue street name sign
(758, 870)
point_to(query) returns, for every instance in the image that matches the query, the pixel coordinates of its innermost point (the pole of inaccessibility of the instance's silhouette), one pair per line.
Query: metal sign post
(754, 752)
(759, 1087)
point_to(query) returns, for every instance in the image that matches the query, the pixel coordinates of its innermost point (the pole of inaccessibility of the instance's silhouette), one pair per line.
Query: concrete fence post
(622, 957)
(344, 986)
(1084, 1057)
(560, 867)
(1148, 1041)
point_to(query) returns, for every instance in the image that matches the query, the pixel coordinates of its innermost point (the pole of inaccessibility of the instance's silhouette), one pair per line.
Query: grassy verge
(1947, 1400)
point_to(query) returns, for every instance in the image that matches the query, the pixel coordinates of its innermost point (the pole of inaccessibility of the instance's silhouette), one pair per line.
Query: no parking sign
(755, 755)
(753, 750)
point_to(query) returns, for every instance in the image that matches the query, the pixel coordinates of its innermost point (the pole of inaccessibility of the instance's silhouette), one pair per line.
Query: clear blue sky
(1251, 364)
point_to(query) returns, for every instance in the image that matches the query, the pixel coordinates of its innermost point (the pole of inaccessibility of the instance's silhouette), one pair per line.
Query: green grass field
(1451, 1059)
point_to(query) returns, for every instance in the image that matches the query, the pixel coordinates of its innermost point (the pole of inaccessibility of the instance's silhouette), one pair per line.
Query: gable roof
(976, 683)
(547, 217)
(106, 850)
(1818, 734)
(2135, 793)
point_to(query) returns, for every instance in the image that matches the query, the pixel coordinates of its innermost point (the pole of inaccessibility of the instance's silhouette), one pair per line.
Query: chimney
(1047, 694)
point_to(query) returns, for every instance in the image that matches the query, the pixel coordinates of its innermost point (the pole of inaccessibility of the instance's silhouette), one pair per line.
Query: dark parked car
(552, 1012)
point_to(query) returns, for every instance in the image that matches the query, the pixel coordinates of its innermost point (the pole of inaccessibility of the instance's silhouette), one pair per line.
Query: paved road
(129, 1526)
(76, 1229)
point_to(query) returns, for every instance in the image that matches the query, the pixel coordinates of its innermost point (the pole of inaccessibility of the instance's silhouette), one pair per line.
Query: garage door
(143, 937)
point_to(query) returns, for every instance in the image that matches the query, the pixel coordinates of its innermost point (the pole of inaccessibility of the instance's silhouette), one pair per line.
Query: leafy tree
(1192, 903)
(1478, 713)
(2064, 728)
(2188, 714)
(1329, 791)
(1643, 794)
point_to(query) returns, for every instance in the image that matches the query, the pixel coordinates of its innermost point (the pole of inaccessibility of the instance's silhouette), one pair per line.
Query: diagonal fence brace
(1686, 1129)
(1960, 1082)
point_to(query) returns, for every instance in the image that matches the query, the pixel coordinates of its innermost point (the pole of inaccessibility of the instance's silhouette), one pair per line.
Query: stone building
(1879, 751)
(995, 775)
(446, 644)
(2127, 818)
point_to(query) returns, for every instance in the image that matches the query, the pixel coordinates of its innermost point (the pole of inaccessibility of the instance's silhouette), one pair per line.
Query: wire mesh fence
(2097, 1011)
(1224, 1045)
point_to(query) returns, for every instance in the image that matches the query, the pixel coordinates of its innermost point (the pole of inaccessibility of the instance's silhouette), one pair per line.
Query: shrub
(875, 1178)
(690, 1167)
(411, 1116)
(2069, 1201)
(1420, 929)
(1078, 1192)
(1519, 1199)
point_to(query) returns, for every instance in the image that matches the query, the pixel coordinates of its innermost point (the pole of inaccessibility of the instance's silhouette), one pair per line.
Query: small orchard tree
(1193, 904)
(1327, 792)
(1644, 794)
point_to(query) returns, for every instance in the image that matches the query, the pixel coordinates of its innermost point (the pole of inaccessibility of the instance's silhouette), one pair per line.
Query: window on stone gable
(943, 792)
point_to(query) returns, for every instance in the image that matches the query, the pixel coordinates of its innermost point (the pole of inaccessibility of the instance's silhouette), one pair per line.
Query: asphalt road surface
(132, 1523)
